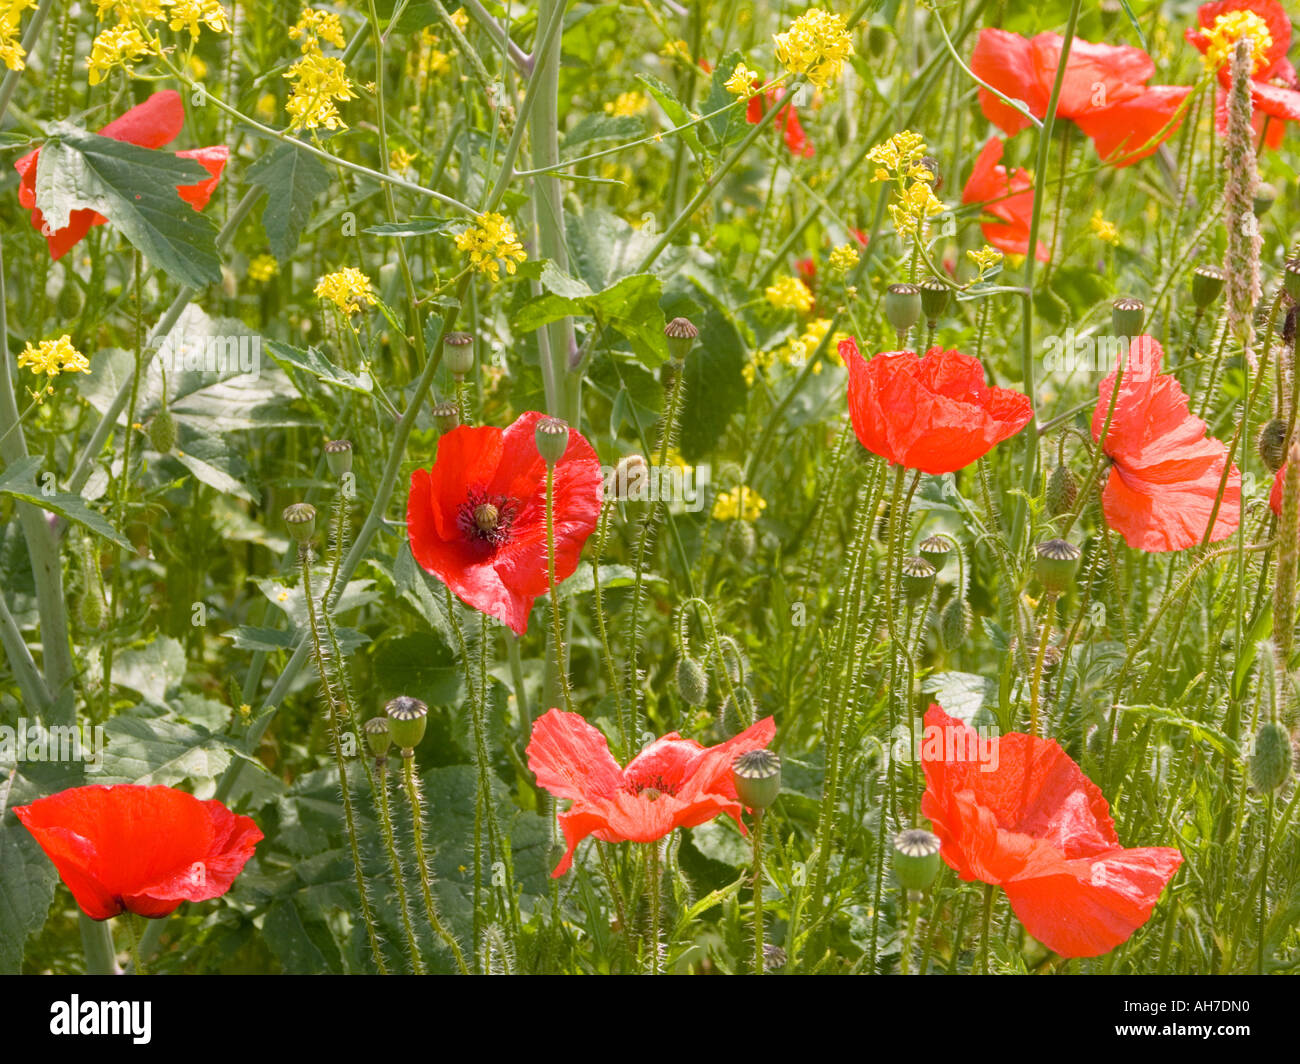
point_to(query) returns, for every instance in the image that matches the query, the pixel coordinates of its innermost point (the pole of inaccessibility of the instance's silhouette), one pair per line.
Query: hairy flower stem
(395, 863)
(759, 966)
(557, 629)
(984, 929)
(1263, 882)
(656, 886)
(318, 650)
(1049, 608)
(602, 626)
(412, 783)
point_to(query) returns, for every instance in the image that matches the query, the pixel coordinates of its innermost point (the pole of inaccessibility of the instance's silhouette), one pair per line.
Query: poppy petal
(571, 758)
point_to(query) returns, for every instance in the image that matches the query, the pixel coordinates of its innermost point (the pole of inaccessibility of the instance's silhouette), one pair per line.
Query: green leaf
(418, 227)
(313, 362)
(135, 189)
(292, 178)
(729, 126)
(677, 113)
(213, 462)
(153, 670)
(419, 665)
(19, 481)
(159, 751)
(604, 127)
(715, 384)
(630, 306)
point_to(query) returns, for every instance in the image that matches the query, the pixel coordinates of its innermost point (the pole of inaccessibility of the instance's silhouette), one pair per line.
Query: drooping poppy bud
(954, 623)
(1062, 491)
(1270, 762)
(162, 431)
(692, 681)
(1272, 444)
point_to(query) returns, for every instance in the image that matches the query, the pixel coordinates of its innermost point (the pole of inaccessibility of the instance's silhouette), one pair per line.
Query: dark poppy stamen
(486, 519)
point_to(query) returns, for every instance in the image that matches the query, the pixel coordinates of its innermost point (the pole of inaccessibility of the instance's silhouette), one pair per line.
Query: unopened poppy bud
(1272, 444)
(1265, 195)
(916, 858)
(338, 456)
(446, 416)
(301, 519)
(162, 431)
(936, 550)
(918, 577)
(1270, 762)
(91, 610)
(757, 775)
(552, 437)
(1291, 278)
(1062, 491)
(954, 623)
(681, 334)
(458, 353)
(1056, 563)
(902, 307)
(1127, 315)
(1207, 285)
(692, 681)
(934, 299)
(877, 41)
(742, 540)
(407, 719)
(378, 736)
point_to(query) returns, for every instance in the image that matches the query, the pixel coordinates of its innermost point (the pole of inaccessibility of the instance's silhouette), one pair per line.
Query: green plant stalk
(412, 784)
(602, 625)
(655, 886)
(759, 966)
(395, 862)
(984, 929)
(11, 77)
(1263, 882)
(97, 944)
(1036, 685)
(557, 634)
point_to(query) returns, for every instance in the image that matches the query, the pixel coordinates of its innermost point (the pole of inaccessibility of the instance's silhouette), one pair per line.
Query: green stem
(97, 944)
(557, 634)
(395, 863)
(984, 929)
(422, 862)
(759, 965)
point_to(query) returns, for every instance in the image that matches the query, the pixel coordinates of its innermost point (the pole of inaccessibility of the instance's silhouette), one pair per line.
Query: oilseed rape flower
(348, 289)
(789, 293)
(492, 239)
(816, 45)
(52, 357)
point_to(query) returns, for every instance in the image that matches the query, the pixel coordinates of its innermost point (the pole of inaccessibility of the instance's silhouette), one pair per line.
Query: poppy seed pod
(918, 577)
(1207, 285)
(916, 858)
(446, 416)
(1265, 196)
(1055, 564)
(757, 776)
(338, 456)
(407, 719)
(552, 437)
(1127, 316)
(692, 681)
(378, 736)
(681, 334)
(458, 353)
(1270, 762)
(742, 540)
(934, 299)
(1291, 278)
(902, 306)
(1272, 444)
(935, 550)
(162, 431)
(301, 519)
(1062, 491)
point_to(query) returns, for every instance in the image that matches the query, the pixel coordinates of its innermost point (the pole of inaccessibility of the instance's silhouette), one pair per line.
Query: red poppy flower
(1126, 132)
(1009, 197)
(148, 125)
(477, 519)
(786, 120)
(672, 783)
(807, 270)
(1165, 470)
(1016, 812)
(139, 849)
(934, 413)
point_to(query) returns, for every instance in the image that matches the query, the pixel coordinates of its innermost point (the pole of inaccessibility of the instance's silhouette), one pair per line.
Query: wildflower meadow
(649, 487)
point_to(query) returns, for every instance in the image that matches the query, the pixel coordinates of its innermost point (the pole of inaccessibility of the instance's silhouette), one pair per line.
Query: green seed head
(916, 858)
(407, 719)
(1127, 315)
(446, 416)
(378, 736)
(934, 299)
(1207, 285)
(458, 353)
(338, 456)
(681, 334)
(936, 550)
(1056, 563)
(301, 519)
(918, 577)
(902, 307)
(552, 437)
(757, 775)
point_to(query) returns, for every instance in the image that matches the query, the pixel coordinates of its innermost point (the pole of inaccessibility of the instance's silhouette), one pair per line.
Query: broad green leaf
(715, 384)
(313, 362)
(604, 127)
(292, 178)
(135, 189)
(19, 481)
(730, 125)
(630, 306)
(153, 670)
(677, 114)
(420, 665)
(158, 751)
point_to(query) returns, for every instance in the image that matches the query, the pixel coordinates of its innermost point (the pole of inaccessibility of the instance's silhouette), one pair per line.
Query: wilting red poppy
(1009, 197)
(672, 783)
(1165, 470)
(786, 120)
(1104, 90)
(148, 125)
(935, 413)
(477, 519)
(139, 849)
(1016, 812)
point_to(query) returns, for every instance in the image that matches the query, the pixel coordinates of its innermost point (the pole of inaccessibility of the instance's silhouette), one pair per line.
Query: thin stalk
(395, 863)
(422, 862)
(759, 966)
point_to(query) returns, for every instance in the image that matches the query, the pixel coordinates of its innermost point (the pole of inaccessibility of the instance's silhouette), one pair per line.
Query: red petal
(571, 758)
(151, 124)
(1272, 12)
(213, 160)
(1119, 132)
(1004, 60)
(1096, 75)
(1006, 196)
(1275, 496)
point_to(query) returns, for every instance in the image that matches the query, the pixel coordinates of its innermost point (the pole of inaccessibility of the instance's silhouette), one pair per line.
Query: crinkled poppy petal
(1004, 60)
(1269, 115)
(664, 765)
(1008, 197)
(468, 457)
(571, 757)
(151, 124)
(1126, 132)
(1096, 75)
(710, 771)
(577, 824)
(1276, 101)
(213, 160)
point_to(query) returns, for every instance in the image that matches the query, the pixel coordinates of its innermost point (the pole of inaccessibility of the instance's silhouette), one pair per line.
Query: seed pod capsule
(552, 438)
(407, 719)
(757, 775)
(1127, 315)
(338, 456)
(446, 416)
(916, 858)
(934, 299)
(1056, 563)
(458, 353)
(918, 577)
(378, 737)
(902, 307)
(681, 334)
(301, 519)
(1207, 285)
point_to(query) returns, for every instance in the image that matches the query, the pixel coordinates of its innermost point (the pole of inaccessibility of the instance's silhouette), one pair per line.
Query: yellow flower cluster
(816, 44)
(627, 105)
(348, 289)
(743, 502)
(52, 357)
(315, 26)
(985, 259)
(789, 293)
(119, 46)
(678, 49)
(901, 159)
(190, 14)
(1102, 229)
(797, 351)
(262, 268)
(1231, 27)
(902, 154)
(400, 160)
(492, 239)
(843, 259)
(741, 82)
(11, 52)
(131, 38)
(428, 61)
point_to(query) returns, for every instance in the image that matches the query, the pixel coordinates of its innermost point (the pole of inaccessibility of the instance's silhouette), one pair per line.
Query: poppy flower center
(651, 787)
(486, 519)
(1228, 29)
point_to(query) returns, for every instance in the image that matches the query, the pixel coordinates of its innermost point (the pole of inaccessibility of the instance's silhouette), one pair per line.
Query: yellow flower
(400, 159)
(741, 82)
(985, 259)
(460, 19)
(52, 357)
(916, 204)
(627, 104)
(189, 14)
(315, 26)
(130, 10)
(789, 293)
(1231, 27)
(843, 259)
(262, 268)
(198, 68)
(11, 52)
(318, 81)
(676, 49)
(900, 154)
(348, 289)
(491, 239)
(816, 44)
(743, 502)
(119, 46)
(1103, 229)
